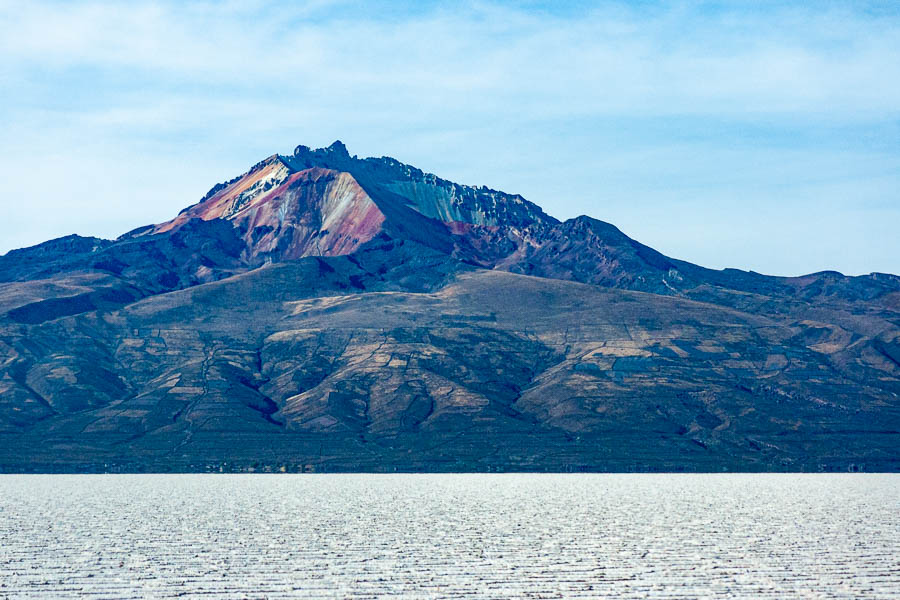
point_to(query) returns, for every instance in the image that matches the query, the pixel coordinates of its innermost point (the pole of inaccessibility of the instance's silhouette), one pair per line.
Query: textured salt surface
(443, 536)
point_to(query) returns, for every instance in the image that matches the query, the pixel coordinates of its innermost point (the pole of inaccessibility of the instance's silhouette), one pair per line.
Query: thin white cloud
(609, 60)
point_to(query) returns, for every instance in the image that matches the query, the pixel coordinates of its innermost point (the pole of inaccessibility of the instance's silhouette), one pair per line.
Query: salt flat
(450, 536)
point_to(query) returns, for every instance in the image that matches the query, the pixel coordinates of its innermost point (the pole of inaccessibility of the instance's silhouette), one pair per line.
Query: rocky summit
(323, 312)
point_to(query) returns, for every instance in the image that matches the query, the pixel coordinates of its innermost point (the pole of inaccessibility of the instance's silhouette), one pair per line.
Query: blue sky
(761, 135)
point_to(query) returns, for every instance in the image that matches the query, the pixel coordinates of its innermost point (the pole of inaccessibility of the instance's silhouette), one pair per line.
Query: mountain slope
(332, 313)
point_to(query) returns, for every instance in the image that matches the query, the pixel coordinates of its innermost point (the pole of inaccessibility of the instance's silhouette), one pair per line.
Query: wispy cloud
(606, 60)
(650, 104)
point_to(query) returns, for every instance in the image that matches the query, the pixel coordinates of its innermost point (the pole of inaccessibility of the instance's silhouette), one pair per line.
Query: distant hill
(323, 312)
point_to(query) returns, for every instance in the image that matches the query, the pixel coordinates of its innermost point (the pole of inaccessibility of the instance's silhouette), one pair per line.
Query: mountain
(323, 312)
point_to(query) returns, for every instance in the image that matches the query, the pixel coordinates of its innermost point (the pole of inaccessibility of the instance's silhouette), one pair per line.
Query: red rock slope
(285, 214)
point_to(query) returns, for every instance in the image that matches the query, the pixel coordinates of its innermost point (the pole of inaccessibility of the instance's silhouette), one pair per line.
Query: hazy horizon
(760, 136)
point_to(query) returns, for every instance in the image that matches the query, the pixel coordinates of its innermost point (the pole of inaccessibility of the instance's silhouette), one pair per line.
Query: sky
(761, 135)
